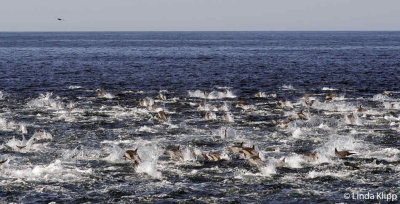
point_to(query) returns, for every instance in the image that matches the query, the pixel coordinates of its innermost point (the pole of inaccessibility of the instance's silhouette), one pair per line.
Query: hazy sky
(144, 15)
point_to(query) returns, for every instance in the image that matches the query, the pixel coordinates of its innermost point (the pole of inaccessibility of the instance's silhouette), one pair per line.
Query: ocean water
(50, 81)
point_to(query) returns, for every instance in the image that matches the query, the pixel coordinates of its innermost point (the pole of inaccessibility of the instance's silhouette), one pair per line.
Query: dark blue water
(248, 61)
(83, 161)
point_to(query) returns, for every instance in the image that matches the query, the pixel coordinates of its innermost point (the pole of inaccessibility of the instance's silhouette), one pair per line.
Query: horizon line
(63, 31)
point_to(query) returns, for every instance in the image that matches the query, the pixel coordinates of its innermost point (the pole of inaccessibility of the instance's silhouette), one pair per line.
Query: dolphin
(387, 93)
(249, 151)
(241, 104)
(360, 109)
(236, 149)
(154, 107)
(255, 160)
(212, 157)
(309, 103)
(284, 124)
(162, 116)
(146, 102)
(205, 94)
(100, 93)
(302, 115)
(4, 161)
(281, 163)
(329, 96)
(20, 146)
(351, 118)
(23, 143)
(133, 156)
(342, 154)
(142, 102)
(162, 97)
(227, 117)
(224, 136)
(283, 103)
(311, 156)
(176, 154)
(208, 116)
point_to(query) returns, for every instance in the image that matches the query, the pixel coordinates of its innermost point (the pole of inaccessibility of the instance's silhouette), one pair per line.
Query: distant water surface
(247, 61)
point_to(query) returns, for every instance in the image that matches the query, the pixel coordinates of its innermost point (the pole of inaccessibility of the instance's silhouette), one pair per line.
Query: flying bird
(60, 19)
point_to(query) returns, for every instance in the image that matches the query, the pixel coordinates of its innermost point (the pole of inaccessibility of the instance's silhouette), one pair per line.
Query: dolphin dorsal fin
(23, 141)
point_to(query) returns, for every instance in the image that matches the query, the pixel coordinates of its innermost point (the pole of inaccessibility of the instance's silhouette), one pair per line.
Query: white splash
(268, 170)
(146, 129)
(22, 128)
(226, 133)
(294, 161)
(297, 133)
(210, 116)
(228, 117)
(212, 95)
(225, 107)
(316, 174)
(8, 125)
(380, 97)
(188, 154)
(149, 155)
(108, 96)
(260, 95)
(55, 171)
(328, 89)
(74, 87)
(327, 150)
(46, 101)
(116, 154)
(207, 107)
(42, 135)
(288, 87)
